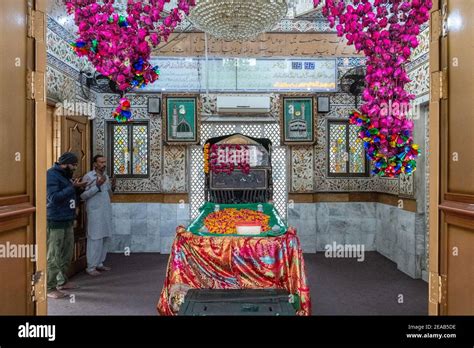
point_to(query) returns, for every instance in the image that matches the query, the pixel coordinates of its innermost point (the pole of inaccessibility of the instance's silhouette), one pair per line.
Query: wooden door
(22, 198)
(452, 159)
(75, 137)
(53, 134)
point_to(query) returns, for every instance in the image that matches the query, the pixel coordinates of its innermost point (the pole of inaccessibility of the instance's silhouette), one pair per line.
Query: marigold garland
(224, 221)
(206, 158)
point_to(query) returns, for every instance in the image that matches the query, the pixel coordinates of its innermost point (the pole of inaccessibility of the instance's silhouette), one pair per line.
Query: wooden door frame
(86, 122)
(40, 8)
(81, 264)
(25, 208)
(434, 154)
(53, 128)
(57, 128)
(448, 209)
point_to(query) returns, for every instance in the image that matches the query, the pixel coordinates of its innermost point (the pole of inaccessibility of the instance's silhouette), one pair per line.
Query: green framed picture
(298, 119)
(180, 119)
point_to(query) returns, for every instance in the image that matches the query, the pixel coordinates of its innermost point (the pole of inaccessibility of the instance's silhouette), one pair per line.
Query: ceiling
(300, 12)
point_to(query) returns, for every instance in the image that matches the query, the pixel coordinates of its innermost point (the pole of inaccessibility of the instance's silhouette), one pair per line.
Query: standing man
(97, 196)
(61, 205)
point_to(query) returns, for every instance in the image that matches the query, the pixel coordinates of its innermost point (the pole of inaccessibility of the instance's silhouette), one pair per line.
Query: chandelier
(237, 19)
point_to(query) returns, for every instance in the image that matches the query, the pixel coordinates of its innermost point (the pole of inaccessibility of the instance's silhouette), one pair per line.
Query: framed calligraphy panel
(180, 119)
(298, 119)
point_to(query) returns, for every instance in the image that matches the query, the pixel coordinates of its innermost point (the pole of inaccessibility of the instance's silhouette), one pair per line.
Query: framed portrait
(324, 105)
(181, 119)
(298, 119)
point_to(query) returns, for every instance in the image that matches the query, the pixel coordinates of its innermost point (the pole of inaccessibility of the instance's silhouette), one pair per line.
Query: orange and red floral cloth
(225, 262)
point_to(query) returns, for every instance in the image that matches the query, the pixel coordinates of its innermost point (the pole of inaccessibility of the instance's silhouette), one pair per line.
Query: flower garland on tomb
(119, 46)
(386, 31)
(206, 158)
(225, 158)
(225, 221)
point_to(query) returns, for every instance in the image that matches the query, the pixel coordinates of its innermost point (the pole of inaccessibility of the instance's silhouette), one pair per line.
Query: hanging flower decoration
(119, 46)
(123, 113)
(402, 162)
(386, 31)
(225, 158)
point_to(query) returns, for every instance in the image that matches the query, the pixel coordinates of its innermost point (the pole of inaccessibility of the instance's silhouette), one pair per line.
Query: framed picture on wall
(181, 119)
(298, 119)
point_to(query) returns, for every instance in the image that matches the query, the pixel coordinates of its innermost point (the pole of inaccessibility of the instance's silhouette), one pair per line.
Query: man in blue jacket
(62, 193)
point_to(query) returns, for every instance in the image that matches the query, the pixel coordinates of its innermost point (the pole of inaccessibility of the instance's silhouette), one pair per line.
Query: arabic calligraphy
(244, 74)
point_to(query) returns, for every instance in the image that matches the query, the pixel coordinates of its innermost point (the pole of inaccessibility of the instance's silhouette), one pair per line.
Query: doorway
(22, 174)
(71, 133)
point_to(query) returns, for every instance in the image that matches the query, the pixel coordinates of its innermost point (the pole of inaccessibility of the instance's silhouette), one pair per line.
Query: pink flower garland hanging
(386, 31)
(220, 163)
(120, 46)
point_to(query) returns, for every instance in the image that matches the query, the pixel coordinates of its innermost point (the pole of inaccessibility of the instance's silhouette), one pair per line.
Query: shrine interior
(238, 164)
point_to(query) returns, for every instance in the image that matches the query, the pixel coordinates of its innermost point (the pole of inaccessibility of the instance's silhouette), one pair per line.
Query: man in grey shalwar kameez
(99, 215)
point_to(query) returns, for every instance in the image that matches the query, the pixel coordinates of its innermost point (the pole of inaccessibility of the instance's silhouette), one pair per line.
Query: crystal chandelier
(237, 19)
